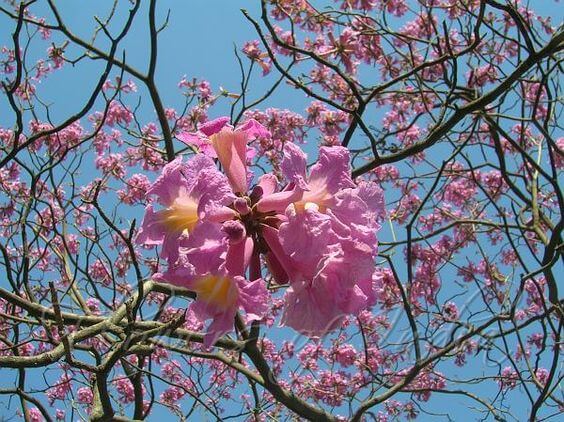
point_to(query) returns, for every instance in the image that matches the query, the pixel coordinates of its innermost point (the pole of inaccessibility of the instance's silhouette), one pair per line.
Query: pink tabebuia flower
(354, 211)
(327, 243)
(201, 267)
(317, 233)
(187, 191)
(229, 145)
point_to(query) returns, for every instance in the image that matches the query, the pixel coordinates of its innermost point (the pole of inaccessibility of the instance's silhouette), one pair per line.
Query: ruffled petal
(221, 324)
(353, 214)
(306, 236)
(198, 140)
(373, 196)
(254, 129)
(181, 275)
(168, 184)
(332, 169)
(212, 190)
(253, 297)
(293, 165)
(151, 231)
(189, 138)
(214, 126)
(308, 311)
(205, 248)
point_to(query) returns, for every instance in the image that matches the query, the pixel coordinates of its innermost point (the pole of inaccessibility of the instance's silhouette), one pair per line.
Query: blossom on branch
(316, 232)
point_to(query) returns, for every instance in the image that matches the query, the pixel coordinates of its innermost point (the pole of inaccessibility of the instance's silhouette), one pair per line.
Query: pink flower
(329, 279)
(252, 50)
(220, 294)
(317, 233)
(125, 389)
(508, 379)
(353, 211)
(111, 164)
(135, 190)
(542, 375)
(85, 395)
(345, 355)
(187, 191)
(56, 54)
(326, 247)
(35, 415)
(480, 76)
(229, 146)
(60, 390)
(450, 311)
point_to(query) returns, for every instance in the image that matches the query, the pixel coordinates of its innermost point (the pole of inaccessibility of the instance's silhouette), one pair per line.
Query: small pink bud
(234, 230)
(242, 206)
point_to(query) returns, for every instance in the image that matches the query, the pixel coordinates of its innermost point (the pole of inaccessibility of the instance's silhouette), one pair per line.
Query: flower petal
(253, 297)
(214, 126)
(239, 256)
(168, 184)
(254, 129)
(151, 231)
(279, 201)
(308, 311)
(294, 165)
(333, 168)
(231, 149)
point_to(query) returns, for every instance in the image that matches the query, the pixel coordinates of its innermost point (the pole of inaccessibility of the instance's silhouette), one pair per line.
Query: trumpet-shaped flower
(330, 277)
(317, 233)
(354, 211)
(186, 191)
(326, 246)
(229, 145)
(219, 293)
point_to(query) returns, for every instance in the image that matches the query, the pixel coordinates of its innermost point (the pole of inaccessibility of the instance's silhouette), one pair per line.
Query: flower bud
(241, 206)
(234, 230)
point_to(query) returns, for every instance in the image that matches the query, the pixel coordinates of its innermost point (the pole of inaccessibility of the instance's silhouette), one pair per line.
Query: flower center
(317, 198)
(216, 290)
(181, 216)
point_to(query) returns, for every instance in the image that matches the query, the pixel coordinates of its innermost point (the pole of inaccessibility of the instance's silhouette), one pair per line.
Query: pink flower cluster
(316, 232)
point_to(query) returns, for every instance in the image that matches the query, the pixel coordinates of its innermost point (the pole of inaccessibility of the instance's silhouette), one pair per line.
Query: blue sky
(198, 42)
